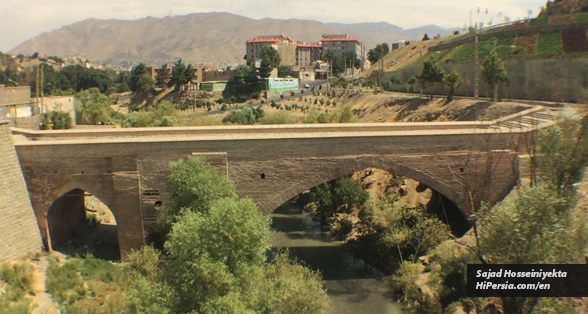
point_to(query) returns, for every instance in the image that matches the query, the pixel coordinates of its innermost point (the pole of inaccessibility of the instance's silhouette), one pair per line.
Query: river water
(352, 286)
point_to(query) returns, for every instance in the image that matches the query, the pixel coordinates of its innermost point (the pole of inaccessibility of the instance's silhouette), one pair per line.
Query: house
(15, 102)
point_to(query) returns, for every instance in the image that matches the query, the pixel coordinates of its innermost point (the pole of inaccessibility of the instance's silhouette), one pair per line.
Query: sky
(21, 20)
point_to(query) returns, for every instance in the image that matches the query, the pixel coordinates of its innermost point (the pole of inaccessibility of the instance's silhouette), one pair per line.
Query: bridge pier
(127, 206)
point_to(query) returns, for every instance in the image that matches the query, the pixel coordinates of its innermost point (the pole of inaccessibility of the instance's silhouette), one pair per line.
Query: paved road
(287, 96)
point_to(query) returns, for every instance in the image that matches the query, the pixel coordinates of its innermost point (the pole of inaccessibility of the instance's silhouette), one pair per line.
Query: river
(352, 286)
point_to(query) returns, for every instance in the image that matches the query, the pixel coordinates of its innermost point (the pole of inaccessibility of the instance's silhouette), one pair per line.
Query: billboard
(282, 83)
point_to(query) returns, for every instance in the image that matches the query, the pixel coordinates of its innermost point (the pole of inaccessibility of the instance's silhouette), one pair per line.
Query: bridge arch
(346, 167)
(79, 222)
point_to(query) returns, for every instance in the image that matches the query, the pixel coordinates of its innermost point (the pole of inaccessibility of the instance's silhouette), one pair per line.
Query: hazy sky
(23, 19)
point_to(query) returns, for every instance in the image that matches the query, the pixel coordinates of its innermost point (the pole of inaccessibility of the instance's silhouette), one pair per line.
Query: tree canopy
(379, 52)
(494, 72)
(216, 256)
(431, 73)
(181, 74)
(270, 59)
(140, 80)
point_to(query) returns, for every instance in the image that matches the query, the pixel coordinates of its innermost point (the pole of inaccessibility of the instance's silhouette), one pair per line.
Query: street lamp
(476, 83)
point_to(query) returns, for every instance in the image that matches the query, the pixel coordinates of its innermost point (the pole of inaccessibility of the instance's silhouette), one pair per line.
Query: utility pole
(381, 70)
(42, 107)
(37, 108)
(476, 70)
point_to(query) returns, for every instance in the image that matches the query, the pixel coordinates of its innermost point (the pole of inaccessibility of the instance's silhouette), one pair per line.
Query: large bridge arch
(70, 231)
(347, 166)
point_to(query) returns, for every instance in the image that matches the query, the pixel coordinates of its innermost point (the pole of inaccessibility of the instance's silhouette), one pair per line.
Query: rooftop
(329, 39)
(308, 45)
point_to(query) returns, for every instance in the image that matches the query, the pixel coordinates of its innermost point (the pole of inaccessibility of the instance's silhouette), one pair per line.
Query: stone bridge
(467, 162)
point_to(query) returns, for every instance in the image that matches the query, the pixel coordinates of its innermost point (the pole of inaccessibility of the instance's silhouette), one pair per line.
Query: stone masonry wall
(19, 234)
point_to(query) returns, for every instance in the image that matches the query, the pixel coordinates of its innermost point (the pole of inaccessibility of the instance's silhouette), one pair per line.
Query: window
(150, 192)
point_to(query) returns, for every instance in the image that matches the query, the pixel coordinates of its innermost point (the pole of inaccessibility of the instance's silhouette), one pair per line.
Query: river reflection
(351, 284)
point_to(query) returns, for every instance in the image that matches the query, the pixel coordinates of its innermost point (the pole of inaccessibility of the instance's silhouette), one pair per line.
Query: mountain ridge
(200, 38)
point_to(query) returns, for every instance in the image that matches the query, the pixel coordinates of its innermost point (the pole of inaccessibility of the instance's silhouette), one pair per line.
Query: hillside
(543, 58)
(198, 38)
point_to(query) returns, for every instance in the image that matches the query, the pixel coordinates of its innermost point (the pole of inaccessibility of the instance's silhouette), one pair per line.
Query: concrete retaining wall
(19, 234)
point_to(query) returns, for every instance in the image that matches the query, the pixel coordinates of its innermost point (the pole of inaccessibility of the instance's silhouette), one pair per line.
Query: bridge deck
(524, 121)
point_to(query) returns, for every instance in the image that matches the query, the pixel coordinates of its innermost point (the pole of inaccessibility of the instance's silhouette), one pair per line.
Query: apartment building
(339, 44)
(307, 54)
(285, 46)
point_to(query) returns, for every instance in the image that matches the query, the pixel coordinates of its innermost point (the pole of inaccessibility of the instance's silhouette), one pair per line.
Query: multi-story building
(340, 44)
(300, 55)
(284, 45)
(307, 54)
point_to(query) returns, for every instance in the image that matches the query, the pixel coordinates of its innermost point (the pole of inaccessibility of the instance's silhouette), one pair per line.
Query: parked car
(306, 86)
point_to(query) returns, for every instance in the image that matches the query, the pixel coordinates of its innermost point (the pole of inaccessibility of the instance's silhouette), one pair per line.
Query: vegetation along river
(351, 284)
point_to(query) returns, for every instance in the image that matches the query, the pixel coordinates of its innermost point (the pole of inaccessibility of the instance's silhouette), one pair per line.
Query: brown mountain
(197, 38)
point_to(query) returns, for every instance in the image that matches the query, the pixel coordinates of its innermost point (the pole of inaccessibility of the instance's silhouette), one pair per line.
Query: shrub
(255, 95)
(292, 93)
(18, 278)
(282, 96)
(56, 120)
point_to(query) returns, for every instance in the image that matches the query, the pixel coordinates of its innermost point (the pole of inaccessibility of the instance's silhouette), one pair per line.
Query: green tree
(163, 76)
(181, 74)
(140, 80)
(270, 59)
(494, 73)
(377, 53)
(430, 74)
(122, 81)
(349, 193)
(243, 82)
(452, 81)
(562, 154)
(293, 289)
(217, 254)
(193, 184)
(536, 227)
(285, 71)
(93, 107)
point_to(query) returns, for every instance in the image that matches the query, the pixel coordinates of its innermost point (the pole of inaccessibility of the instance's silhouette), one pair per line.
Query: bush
(292, 93)
(18, 278)
(242, 98)
(166, 121)
(56, 120)
(282, 96)
(246, 115)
